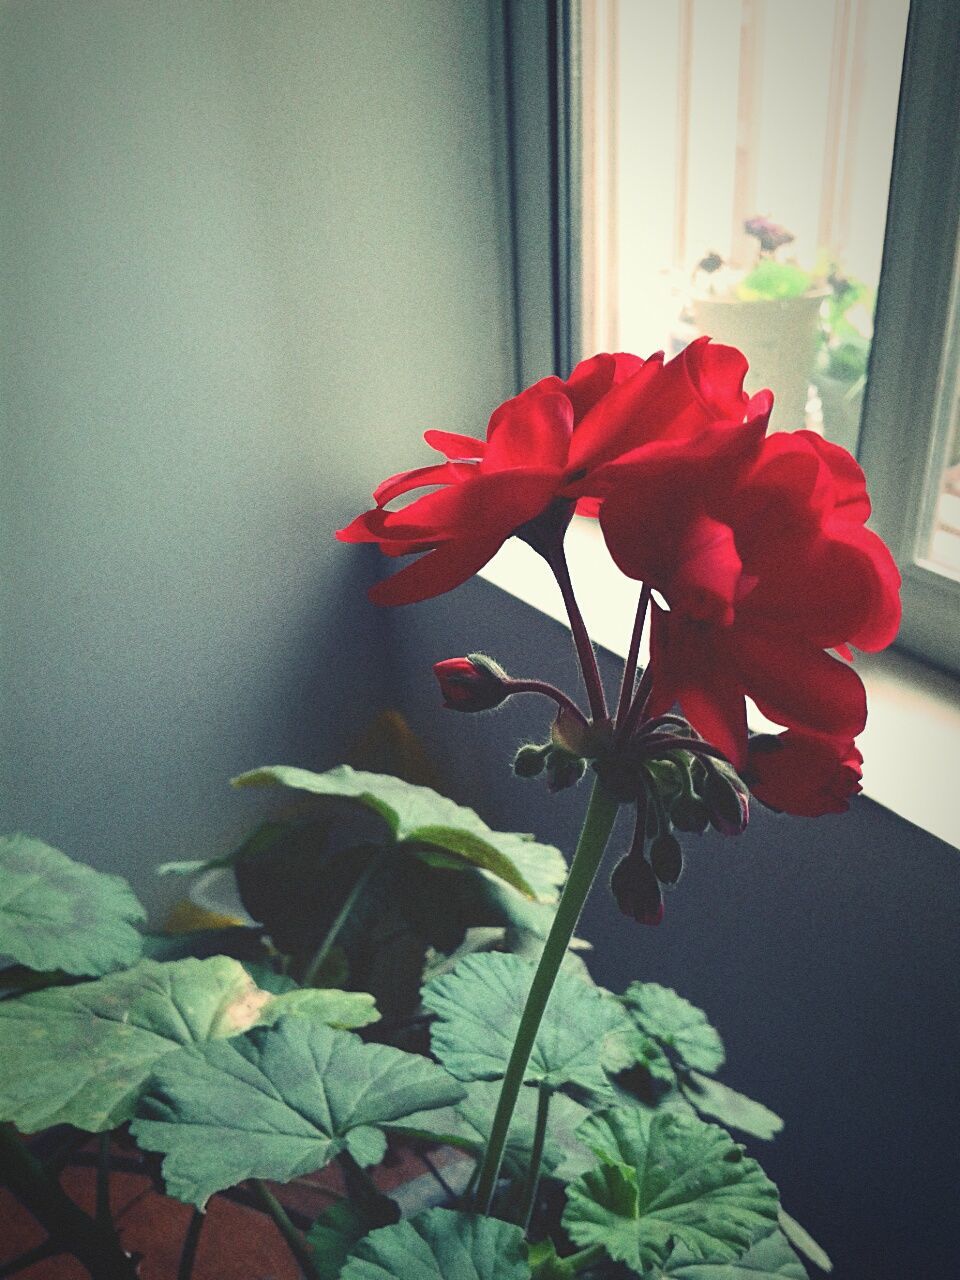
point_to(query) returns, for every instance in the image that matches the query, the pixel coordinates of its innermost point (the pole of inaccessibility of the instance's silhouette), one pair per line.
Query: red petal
(617, 422)
(593, 378)
(543, 387)
(850, 485)
(804, 775)
(536, 433)
(404, 481)
(436, 572)
(798, 685)
(691, 666)
(453, 445)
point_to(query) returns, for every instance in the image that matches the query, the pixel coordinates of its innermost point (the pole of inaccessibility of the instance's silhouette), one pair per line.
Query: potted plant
(770, 311)
(421, 980)
(846, 330)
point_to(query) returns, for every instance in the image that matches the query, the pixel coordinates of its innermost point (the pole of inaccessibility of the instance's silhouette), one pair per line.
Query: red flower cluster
(757, 544)
(559, 439)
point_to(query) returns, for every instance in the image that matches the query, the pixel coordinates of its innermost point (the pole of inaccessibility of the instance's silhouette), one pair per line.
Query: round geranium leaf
(279, 1102)
(80, 1055)
(664, 1181)
(429, 826)
(769, 1259)
(478, 1008)
(440, 1245)
(676, 1024)
(58, 914)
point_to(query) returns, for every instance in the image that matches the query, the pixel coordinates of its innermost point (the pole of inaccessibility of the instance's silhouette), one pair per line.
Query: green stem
(295, 1241)
(585, 1258)
(597, 826)
(190, 1241)
(316, 964)
(532, 1184)
(66, 1223)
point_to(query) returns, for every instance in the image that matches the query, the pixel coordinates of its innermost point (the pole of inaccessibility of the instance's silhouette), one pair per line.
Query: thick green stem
(56, 1212)
(316, 964)
(295, 1241)
(597, 826)
(190, 1241)
(532, 1184)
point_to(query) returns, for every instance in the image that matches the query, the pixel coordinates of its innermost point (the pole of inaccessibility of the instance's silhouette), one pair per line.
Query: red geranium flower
(556, 440)
(804, 775)
(760, 550)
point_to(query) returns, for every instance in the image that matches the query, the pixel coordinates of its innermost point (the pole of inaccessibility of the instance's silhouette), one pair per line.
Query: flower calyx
(574, 743)
(474, 683)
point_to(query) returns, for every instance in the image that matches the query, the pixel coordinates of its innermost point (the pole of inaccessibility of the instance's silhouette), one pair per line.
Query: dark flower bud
(689, 813)
(530, 760)
(637, 889)
(563, 770)
(666, 858)
(727, 798)
(476, 683)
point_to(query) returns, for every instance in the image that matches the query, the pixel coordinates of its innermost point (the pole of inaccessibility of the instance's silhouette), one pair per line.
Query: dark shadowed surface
(825, 951)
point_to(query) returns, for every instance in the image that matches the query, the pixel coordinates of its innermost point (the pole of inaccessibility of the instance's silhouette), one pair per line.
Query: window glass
(736, 164)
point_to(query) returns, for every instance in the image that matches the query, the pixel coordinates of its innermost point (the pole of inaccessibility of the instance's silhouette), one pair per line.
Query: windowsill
(912, 736)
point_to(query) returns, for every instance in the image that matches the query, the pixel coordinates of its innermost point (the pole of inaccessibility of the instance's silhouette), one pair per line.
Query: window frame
(915, 357)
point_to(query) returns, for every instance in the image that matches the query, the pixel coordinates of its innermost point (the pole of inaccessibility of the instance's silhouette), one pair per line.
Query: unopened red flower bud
(637, 890)
(726, 798)
(666, 858)
(475, 683)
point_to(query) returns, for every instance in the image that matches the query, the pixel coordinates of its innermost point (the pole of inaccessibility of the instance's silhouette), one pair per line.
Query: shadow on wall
(825, 951)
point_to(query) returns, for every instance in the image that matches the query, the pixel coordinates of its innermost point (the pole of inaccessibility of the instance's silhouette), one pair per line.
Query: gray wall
(247, 251)
(825, 951)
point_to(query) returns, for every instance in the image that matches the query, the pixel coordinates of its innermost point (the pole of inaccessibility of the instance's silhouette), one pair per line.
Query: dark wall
(825, 951)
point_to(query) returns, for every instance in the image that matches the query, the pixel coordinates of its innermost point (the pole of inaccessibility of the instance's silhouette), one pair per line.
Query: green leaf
(693, 1187)
(546, 1263)
(342, 1226)
(467, 1125)
(803, 1241)
(675, 1023)
(478, 1008)
(262, 838)
(279, 1102)
(80, 1055)
(731, 1108)
(769, 1259)
(58, 914)
(632, 1048)
(418, 816)
(441, 1245)
(343, 1009)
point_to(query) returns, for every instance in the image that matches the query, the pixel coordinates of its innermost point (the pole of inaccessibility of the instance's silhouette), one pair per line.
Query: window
(698, 116)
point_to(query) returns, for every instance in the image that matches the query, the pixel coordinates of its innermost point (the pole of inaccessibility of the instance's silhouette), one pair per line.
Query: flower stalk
(597, 825)
(532, 1183)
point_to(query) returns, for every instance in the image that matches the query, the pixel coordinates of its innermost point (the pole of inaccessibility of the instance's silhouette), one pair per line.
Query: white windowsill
(912, 739)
